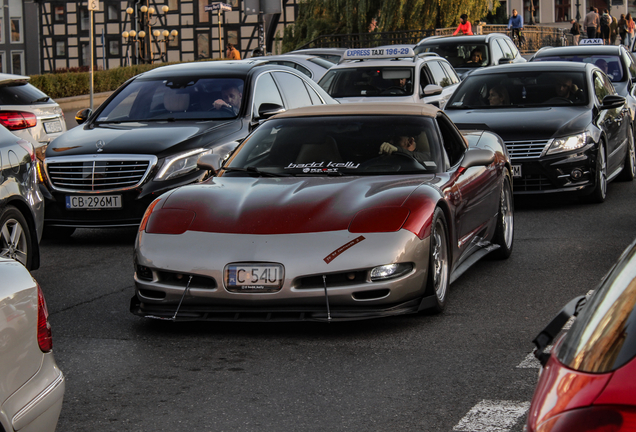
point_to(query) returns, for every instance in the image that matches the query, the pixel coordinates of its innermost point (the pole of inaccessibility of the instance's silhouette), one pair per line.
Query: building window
(17, 62)
(202, 17)
(58, 12)
(60, 48)
(113, 48)
(232, 36)
(85, 54)
(233, 3)
(83, 19)
(3, 68)
(16, 30)
(112, 12)
(1, 25)
(203, 45)
(173, 5)
(562, 10)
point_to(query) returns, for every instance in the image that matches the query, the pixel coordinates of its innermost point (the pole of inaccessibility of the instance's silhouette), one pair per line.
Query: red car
(588, 382)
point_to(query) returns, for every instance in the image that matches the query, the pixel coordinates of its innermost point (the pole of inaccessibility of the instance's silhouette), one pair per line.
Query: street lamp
(142, 45)
(167, 37)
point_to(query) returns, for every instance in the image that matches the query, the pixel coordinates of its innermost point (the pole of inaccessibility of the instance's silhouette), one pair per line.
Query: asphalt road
(410, 373)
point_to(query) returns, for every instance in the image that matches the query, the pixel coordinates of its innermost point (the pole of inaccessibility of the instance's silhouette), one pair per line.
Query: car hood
(288, 205)
(514, 124)
(133, 138)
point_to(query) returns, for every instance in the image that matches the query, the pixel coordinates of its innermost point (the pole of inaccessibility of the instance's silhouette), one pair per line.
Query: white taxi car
(391, 75)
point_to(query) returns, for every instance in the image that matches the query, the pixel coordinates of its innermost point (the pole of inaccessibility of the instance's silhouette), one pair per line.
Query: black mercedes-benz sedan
(147, 137)
(563, 124)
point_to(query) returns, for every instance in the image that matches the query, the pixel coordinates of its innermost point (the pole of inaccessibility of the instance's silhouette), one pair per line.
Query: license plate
(79, 202)
(53, 126)
(254, 277)
(516, 170)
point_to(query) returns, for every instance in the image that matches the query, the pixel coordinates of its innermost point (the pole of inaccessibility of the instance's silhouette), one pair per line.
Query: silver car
(312, 66)
(31, 385)
(387, 75)
(28, 112)
(21, 202)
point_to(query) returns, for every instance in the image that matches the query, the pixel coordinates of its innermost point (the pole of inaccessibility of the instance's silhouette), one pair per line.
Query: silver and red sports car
(339, 212)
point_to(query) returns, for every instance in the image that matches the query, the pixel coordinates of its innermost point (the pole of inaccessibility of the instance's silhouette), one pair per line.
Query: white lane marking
(492, 416)
(531, 362)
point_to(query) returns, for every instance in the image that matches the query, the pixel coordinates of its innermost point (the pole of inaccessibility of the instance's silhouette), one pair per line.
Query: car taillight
(593, 419)
(45, 339)
(16, 120)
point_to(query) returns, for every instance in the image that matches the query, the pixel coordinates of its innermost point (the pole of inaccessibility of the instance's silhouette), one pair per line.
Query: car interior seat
(175, 101)
(326, 150)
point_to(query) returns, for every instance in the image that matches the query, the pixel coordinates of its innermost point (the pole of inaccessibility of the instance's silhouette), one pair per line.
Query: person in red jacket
(464, 26)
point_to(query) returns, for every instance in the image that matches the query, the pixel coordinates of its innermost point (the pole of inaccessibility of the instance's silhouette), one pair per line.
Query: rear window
(22, 94)
(603, 337)
(611, 65)
(459, 55)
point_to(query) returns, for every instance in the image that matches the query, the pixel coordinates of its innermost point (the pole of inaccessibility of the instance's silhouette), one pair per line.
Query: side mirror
(82, 115)
(477, 157)
(268, 110)
(209, 162)
(612, 101)
(432, 90)
(504, 61)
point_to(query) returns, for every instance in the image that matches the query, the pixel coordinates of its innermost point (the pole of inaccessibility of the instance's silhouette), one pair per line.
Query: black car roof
(238, 69)
(581, 49)
(535, 66)
(464, 38)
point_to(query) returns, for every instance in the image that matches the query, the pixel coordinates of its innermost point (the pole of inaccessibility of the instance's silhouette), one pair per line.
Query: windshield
(603, 337)
(459, 55)
(521, 89)
(185, 98)
(345, 145)
(368, 81)
(611, 65)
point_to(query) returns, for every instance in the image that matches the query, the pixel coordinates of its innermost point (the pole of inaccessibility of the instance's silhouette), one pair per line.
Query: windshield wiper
(254, 170)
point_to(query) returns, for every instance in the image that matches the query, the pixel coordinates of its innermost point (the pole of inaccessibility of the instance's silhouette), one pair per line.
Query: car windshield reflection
(335, 146)
(521, 90)
(185, 98)
(609, 64)
(369, 81)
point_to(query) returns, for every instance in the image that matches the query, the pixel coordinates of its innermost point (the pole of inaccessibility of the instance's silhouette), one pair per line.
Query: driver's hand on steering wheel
(220, 103)
(387, 148)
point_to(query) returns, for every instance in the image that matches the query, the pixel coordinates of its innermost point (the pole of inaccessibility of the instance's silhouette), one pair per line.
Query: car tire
(629, 169)
(504, 231)
(438, 279)
(600, 190)
(15, 237)
(57, 233)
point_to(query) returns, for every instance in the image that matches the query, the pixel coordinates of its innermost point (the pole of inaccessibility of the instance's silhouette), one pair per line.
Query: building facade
(563, 11)
(65, 32)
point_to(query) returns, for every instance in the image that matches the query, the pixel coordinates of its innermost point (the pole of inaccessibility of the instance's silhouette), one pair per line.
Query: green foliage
(323, 17)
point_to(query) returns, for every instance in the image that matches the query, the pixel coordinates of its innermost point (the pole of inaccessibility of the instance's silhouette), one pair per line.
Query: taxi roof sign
(378, 53)
(591, 42)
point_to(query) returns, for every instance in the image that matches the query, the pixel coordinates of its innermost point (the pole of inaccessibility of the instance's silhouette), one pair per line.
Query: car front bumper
(164, 264)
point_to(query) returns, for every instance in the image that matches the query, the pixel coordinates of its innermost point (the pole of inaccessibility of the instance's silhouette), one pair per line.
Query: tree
(322, 17)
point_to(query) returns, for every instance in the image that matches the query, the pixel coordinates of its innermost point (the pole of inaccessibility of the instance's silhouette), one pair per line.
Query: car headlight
(390, 271)
(180, 164)
(573, 142)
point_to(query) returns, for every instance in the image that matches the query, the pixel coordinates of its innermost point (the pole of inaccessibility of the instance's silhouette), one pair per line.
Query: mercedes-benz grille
(98, 173)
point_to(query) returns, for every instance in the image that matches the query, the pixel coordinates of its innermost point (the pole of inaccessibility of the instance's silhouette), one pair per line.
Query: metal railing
(535, 37)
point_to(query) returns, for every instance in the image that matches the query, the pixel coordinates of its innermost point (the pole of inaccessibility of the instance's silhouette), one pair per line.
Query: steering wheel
(388, 162)
(559, 99)
(393, 90)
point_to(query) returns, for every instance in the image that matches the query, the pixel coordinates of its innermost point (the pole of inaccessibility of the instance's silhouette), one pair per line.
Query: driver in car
(406, 145)
(566, 89)
(231, 98)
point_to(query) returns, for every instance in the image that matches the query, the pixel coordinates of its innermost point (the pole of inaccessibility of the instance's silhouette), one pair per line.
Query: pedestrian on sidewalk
(630, 30)
(464, 26)
(590, 23)
(613, 30)
(231, 52)
(605, 21)
(622, 28)
(575, 31)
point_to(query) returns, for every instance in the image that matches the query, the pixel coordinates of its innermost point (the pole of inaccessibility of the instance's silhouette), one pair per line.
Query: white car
(385, 74)
(28, 112)
(31, 384)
